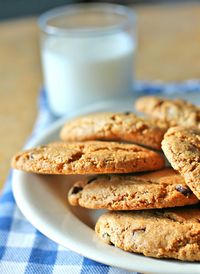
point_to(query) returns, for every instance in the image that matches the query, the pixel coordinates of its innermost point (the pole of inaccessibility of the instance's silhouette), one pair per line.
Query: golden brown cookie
(87, 158)
(182, 148)
(158, 189)
(114, 127)
(170, 233)
(175, 112)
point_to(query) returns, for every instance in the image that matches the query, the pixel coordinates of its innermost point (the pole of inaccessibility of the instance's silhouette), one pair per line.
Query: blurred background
(17, 8)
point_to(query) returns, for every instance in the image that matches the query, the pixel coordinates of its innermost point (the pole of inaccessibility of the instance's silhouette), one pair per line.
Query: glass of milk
(87, 53)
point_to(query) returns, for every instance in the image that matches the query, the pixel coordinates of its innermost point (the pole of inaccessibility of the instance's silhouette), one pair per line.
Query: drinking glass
(87, 53)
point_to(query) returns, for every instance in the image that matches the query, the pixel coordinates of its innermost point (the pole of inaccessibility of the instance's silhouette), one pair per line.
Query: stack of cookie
(126, 173)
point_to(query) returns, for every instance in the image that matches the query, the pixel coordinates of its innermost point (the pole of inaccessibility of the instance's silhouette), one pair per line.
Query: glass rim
(87, 31)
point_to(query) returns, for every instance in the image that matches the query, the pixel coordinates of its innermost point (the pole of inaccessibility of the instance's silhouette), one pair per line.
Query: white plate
(42, 200)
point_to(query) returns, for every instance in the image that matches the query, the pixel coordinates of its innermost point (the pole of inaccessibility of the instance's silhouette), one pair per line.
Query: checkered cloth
(23, 249)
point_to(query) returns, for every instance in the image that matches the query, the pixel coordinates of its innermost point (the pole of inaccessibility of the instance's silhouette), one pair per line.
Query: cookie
(87, 158)
(174, 112)
(158, 189)
(114, 127)
(182, 148)
(170, 233)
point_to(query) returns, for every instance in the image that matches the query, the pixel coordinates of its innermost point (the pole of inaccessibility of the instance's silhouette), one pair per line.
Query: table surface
(169, 49)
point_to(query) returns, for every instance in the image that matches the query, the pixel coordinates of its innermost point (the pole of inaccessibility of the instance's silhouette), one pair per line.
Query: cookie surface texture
(87, 158)
(182, 148)
(173, 233)
(114, 127)
(175, 112)
(158, 189)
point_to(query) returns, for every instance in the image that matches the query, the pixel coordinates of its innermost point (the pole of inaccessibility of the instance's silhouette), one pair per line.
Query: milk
(79, 71)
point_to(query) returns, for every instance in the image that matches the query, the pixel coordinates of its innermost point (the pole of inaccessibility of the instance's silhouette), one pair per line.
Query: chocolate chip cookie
(182, 148)
(87, 158)
(171, 233)
(158, 189)
(115, 127)
(175, 112)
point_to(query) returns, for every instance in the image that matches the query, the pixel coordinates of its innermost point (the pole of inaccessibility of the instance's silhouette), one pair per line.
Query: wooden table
(169, 49)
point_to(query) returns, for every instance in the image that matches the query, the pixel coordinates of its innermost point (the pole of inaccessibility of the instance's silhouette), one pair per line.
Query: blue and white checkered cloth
(23, 249)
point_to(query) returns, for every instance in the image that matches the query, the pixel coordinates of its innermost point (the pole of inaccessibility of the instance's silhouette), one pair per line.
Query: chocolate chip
(76, 189)
(127, 112)
(91, 180)
(106, 236)
(183, 190)
(31, 156)
(139, 230)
